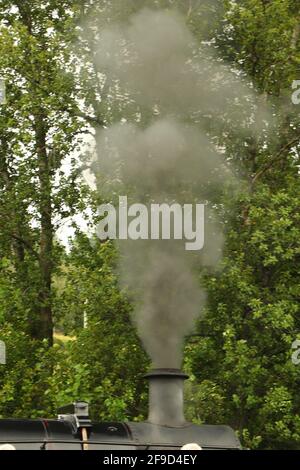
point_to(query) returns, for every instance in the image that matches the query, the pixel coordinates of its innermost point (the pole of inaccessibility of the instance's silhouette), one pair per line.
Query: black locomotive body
(165, 429)
(60, 435)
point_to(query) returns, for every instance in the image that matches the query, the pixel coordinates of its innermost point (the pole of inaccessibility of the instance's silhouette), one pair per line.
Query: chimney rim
(166, 372)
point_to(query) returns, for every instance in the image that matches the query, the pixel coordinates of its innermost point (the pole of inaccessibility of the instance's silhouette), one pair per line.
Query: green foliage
(252, 320)
(106, 362)
(253, 308)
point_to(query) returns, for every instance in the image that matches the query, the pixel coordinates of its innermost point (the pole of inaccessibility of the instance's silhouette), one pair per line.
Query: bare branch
(277, 158)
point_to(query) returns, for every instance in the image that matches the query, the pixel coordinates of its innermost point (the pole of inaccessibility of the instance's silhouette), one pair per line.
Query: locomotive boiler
(165, 428)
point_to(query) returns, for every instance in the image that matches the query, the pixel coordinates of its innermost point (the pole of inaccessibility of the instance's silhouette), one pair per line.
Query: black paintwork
(59, 435)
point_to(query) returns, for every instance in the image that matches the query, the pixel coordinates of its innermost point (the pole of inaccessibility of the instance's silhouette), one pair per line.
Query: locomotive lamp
(78, 415)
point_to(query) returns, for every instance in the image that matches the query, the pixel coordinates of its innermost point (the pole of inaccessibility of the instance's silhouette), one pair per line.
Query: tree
(38, 136)
(252, 314)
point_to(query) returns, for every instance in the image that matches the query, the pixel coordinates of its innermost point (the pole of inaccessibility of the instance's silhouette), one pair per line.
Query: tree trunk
(45, 323)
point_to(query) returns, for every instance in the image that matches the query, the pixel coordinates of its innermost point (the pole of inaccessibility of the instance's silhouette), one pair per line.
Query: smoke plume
(153, 61)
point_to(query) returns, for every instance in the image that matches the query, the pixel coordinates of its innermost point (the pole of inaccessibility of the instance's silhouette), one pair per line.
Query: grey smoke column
(166, 397)
(175, 90)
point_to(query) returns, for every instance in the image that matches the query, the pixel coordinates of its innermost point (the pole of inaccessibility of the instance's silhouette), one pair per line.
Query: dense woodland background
(240, 355)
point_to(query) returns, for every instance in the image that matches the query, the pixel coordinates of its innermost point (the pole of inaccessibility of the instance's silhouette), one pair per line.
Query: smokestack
(166, 397)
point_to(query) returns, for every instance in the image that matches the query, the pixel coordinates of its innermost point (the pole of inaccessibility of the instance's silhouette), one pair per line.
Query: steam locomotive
(165, 429)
